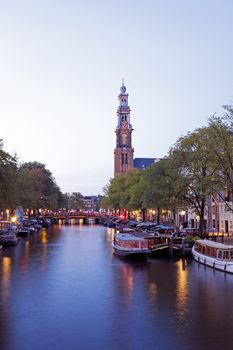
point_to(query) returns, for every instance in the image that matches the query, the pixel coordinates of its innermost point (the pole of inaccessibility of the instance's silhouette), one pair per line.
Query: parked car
(164, 229)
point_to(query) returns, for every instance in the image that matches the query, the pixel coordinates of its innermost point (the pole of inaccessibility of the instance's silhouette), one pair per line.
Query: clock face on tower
(124, 124)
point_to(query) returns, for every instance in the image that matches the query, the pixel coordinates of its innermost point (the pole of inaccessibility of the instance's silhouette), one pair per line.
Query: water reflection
(24, 260)
(43, 254)
(68, 279)
(127, 277)
(6, 278)
(182, 290)
(152, 292)
(44, 236)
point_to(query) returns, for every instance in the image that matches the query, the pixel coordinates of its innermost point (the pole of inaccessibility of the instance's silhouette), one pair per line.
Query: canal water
(64, 289)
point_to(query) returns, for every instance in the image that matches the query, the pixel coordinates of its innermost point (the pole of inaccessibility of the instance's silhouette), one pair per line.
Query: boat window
(231, 254)
(220, 254)
(128, 244)
(144, 244)
(226, 255)
(213, 252)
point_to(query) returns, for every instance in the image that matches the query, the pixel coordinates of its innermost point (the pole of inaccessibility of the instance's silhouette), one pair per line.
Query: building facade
(92, 203)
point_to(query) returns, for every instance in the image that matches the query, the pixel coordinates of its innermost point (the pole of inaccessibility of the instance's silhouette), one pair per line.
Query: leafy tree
(8, 172)
(118, 192)
(73, 201)
(46, 192)
(160, 192)
(25, 190)
(77, 202)
(191, 171)
(114, 192)
(220, 147)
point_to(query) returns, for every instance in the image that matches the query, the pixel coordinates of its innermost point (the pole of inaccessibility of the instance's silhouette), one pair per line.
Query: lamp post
(197, 221)
(182, 215)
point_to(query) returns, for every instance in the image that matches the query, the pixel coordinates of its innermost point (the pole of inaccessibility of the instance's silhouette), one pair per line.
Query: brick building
(124, 152)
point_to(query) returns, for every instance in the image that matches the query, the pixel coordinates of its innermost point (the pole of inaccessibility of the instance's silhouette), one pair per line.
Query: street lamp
(182, 214)
(197, 220)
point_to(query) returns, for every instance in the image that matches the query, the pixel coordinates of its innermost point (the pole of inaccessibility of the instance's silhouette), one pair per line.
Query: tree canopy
(199, 164)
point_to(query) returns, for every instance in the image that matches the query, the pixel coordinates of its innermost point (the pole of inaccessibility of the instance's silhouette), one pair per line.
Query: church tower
(123, 153)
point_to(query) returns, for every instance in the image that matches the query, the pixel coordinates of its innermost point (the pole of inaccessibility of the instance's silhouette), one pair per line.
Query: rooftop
(142, 163)
(214, 244)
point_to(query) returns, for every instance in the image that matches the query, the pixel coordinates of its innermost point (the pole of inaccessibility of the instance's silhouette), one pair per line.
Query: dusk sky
(61, 67)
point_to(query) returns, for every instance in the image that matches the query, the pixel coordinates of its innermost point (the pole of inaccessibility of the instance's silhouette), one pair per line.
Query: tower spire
(123, 88)
(124, 150)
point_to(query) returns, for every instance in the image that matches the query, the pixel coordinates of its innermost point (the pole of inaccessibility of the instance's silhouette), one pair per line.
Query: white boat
(130, 245)
(216, 255)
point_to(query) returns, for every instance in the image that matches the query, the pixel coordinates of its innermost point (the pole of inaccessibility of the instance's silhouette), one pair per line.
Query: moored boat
(7, 233)
(130, 245)
(216, 255)
(8, 238)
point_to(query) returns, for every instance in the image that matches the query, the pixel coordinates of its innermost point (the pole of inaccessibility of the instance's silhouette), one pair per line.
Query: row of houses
(218, 216)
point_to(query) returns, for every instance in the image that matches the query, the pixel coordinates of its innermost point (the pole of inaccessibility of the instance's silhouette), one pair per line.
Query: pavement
(226, 239)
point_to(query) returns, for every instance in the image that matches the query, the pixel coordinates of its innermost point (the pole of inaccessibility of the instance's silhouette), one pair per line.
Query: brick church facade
(124, 152)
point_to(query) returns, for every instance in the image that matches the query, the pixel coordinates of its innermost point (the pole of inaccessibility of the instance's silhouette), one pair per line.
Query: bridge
(66, 217)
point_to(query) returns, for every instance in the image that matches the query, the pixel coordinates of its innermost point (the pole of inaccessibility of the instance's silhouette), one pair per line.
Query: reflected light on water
(44, 241)
(110, 234)
(182, 290)
(24, 263)
(152, 291)
(127, 277)
(44, 236)
(6, 272)
(109, 238)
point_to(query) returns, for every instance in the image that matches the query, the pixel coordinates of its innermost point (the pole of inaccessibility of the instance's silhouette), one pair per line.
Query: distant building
(92, 203)
(124, 152)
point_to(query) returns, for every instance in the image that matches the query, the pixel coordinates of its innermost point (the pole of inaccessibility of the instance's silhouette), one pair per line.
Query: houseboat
(130, 245)
(216, 255)
(8, 233)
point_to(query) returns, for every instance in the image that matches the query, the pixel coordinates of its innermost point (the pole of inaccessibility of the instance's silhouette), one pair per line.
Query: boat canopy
(127, 237)
(213, 244)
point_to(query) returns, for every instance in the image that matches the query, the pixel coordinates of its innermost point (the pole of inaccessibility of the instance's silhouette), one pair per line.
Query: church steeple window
(124, 118)
(124, 158)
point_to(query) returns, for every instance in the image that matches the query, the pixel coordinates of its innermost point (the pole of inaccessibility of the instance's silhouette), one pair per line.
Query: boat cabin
(214, 249)
(130, 241)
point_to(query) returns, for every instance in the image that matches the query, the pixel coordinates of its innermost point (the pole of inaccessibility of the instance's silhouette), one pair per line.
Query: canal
(64, 289)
